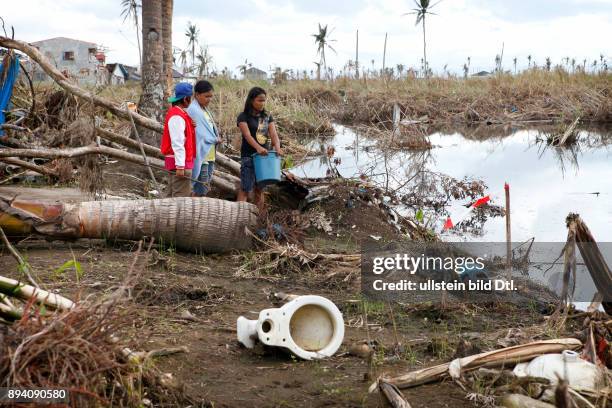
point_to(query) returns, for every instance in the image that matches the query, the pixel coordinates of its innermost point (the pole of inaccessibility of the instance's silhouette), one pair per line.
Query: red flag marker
(448, 224)
(481, 201)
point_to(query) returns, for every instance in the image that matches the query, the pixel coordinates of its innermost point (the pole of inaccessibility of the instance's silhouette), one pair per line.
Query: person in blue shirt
(207, 137)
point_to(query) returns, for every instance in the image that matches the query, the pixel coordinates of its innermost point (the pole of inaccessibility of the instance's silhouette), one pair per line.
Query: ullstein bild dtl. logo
(474, 271)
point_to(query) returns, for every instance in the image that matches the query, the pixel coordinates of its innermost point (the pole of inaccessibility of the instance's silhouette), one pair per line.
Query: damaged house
(80, 60)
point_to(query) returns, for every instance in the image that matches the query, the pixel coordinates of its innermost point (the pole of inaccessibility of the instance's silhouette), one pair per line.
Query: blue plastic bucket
(267, 168)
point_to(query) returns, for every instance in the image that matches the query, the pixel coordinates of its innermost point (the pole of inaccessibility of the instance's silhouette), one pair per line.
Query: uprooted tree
(230, 166)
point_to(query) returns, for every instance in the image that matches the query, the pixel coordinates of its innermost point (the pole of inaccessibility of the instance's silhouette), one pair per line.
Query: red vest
(166, 145)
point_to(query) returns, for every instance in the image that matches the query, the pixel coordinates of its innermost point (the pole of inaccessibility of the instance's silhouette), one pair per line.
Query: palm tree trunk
(190, 224)
(384, 55)
(138, 38)
(167, 45)
(324, 63)
(357, 57)
(152, 98)
(425, 51)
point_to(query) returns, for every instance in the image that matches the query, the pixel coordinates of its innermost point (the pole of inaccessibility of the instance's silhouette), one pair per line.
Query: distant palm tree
(204, 61)
(548, 63)
(529, 59)
(192, 33)
(322, 41)
(243, 67)
(400, 70)
(423, 7)
(129, 9)
(183, 59)
(514, 61)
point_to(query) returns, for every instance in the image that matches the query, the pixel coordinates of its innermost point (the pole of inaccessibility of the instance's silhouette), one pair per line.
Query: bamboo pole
(20, 290)
(508, 233)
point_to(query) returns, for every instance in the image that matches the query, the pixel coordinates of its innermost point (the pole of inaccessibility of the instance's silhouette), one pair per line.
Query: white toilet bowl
(311, 327)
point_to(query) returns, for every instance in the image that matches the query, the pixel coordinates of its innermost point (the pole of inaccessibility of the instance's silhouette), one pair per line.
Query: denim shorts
(247, 174)
(202, 187)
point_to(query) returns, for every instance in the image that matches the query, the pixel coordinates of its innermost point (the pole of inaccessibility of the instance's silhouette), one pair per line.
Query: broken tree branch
(127, 142)
(62, 81)
(222, 183)
(65, 83)
(502, 357)
(23, 265)
(140, 146)
(393, 394)
(593, 259)
(30, 166)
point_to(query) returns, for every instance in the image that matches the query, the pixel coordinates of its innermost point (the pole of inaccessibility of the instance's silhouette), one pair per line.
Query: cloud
(274, 32)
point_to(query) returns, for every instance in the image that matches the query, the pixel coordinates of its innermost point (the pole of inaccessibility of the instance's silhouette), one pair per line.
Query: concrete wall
(81, 64)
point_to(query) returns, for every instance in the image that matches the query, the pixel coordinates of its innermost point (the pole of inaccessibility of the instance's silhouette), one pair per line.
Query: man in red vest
(178, 142)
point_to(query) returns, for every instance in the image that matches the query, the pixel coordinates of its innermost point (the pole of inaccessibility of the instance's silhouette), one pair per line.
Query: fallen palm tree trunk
(226, 183)
(191, 224)
(17, 289)
(495, 358)
(593, 258)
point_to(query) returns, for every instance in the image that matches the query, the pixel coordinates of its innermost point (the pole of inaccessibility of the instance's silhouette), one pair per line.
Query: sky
(270, 33)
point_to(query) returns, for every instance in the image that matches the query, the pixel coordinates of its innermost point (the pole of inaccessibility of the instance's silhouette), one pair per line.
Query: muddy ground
(217, 370)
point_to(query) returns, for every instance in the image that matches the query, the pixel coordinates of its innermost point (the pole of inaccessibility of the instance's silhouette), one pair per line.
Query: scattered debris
(502, 357)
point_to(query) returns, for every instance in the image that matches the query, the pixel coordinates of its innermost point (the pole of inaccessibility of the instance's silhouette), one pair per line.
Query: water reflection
(546, 182)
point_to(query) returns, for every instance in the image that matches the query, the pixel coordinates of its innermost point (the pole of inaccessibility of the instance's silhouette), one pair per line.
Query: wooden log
(503, 357)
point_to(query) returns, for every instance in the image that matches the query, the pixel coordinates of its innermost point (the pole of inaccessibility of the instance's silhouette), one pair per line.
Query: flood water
(546, 183)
